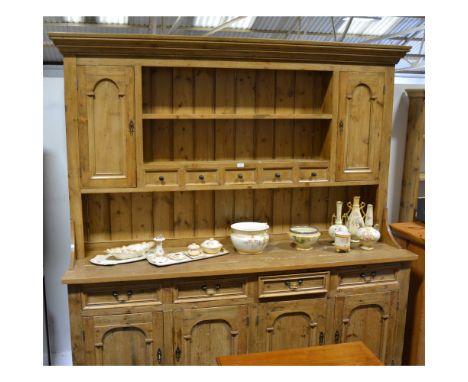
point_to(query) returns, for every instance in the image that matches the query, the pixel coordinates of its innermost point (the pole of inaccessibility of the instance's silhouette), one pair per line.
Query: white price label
(240, 164)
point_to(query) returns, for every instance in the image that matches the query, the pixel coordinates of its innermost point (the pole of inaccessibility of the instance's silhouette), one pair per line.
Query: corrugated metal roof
(309, 28)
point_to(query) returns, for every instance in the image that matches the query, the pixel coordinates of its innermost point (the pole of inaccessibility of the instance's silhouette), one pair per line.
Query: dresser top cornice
(216, 48)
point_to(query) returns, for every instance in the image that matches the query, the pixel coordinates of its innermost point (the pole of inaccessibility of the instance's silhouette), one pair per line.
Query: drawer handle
(277, 175)
(217, 287)
(161, 178)
(201, 177)
(313, 173)
(117, 296)
(159, 356)
(204, 287)
(129, 293)
(368, 277)
(240, 176)
(293, 284)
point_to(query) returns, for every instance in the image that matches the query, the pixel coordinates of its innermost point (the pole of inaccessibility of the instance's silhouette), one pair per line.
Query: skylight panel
(376, 26)
(74, 19)
(113, 19)
(214, 21)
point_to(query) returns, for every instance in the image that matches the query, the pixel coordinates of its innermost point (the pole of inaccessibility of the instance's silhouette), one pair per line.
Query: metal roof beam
(401, 33)
(225, 25)
(347, 28)
(175, 25)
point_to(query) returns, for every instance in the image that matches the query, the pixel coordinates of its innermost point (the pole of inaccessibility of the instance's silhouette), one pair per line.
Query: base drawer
(293, 285)
(96, 297)
(209, 290)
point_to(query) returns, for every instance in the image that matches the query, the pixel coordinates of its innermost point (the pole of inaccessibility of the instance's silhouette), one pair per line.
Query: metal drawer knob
(161, 178)
(313, 174)
(240, 176)
(277, 175)
(201, 177)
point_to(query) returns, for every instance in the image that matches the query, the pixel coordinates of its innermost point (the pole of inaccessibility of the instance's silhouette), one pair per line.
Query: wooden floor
(346, 354)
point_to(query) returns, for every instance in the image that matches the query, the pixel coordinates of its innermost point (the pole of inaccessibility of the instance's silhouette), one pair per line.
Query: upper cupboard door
(106, 126)
(359, 125)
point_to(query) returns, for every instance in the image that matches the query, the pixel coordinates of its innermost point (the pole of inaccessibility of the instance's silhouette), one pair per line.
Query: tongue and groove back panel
(140, 216)
(240, 92)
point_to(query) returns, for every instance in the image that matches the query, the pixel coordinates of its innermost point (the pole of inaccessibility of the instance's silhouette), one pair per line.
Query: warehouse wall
(56, 206)
(56, 216)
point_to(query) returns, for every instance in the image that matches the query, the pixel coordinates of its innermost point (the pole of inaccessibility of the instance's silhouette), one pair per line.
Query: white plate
(103, 260)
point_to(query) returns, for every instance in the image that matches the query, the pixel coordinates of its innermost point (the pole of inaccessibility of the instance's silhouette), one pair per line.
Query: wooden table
(346, 354)
(411, 236)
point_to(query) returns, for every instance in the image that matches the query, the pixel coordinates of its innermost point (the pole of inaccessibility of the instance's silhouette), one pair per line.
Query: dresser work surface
(279, 256)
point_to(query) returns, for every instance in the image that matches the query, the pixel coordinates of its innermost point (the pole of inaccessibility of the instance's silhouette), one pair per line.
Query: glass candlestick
(159, 251)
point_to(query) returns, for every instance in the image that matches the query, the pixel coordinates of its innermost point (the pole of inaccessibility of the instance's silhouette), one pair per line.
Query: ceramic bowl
(250, 237)
(211, 246)
(304, 237)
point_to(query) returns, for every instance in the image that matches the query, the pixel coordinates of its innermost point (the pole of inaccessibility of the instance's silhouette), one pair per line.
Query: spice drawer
(309, 174)
(96, 297)
(277, 175)
(367, 276)
(293, 285)
(201, 177)
(240, 176)
(210, 290)
(162, 178)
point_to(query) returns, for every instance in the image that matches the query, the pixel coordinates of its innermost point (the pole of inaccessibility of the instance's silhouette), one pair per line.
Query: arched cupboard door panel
(292, 324)
(106, 126)
(369, 318)
(128, 339)
(203, 334)
(359, 125)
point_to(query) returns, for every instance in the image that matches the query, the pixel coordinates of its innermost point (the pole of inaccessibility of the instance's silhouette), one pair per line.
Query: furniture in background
(185, 135)
(346, 354)
(412, 237)
(412, 175)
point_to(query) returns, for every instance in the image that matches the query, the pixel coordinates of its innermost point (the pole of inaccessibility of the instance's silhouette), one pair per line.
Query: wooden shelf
(237, 116)
(278, 256)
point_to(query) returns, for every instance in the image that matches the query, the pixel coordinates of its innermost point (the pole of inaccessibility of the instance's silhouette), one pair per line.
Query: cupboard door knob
(161, 178)
(159, 356)
(178, 353)
(321, 338)
(131, 127)
(277, 175)
(201, 177)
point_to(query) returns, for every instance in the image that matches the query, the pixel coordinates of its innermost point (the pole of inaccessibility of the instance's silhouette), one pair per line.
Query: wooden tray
(181, 257)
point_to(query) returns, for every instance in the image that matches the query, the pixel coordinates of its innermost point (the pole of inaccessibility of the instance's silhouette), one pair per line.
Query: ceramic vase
(368, 234)
(338, 221)
(355, 217)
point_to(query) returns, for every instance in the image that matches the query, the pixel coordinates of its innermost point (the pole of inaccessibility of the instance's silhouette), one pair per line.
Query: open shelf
(237, 116)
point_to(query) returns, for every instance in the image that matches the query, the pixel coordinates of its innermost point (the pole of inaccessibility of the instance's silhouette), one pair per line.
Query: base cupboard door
(124, 340)
(203, 334)
(369, 318)
(291, 324)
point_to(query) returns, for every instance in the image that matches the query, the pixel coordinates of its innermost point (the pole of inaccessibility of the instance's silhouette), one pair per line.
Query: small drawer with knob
(293, 285)
(161, 178)
(240, 176)
(201, 177)
(210, 290)
(277, 175)
(111, 296)
(369, 276)
(309, 174)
